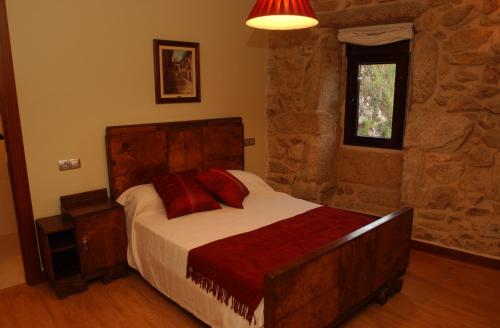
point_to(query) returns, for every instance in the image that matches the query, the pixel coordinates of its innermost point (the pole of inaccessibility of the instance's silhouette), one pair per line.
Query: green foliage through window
(376, 100)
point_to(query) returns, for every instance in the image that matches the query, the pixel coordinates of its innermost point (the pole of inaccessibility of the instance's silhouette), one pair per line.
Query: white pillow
(251, 181)
(140, 199)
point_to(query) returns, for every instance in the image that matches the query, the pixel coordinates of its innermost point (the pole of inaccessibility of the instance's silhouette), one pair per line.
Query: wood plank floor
(11, 262)
(438, 292)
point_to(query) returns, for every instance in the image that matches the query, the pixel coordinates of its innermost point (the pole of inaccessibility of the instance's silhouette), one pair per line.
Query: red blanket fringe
(220, 293)
(232, 269)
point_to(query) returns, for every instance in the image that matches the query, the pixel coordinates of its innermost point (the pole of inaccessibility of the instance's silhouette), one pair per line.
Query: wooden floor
(438, 292)
(11, 262)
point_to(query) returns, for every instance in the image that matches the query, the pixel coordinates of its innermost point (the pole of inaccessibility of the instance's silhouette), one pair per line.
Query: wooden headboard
(136, 153)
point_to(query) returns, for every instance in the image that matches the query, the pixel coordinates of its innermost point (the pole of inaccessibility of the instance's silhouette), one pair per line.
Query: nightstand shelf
(87, 241)
(61, 241)
(56, 237)
(66, 264)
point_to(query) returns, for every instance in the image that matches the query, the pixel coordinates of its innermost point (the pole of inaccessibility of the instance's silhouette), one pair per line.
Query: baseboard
(455, 254)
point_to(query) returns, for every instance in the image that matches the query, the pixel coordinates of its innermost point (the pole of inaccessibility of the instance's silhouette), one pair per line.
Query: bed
(318, 290)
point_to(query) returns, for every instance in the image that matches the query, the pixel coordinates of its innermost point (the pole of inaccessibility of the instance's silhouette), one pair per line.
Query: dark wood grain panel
(318, 313)
(90, 242)
(358, 265)
(135, 158)
(136, 153)
(223, 146)
(370, 261)
(393, 249)
(185, 149)
(115, 238)
(296, 288)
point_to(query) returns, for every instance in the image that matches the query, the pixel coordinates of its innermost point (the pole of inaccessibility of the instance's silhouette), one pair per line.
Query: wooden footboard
(323, 288)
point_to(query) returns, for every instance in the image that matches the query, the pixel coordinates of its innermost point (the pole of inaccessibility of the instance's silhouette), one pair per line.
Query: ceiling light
(282, 15)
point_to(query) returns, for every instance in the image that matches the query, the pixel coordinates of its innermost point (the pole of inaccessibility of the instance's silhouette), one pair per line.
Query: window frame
(394, 53)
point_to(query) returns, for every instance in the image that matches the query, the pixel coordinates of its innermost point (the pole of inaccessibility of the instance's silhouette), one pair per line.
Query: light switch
(64, 165)
(249, 142)
(75, 163)
(69, 164)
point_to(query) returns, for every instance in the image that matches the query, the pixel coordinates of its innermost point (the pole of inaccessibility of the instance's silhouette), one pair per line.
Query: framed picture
(177, 71)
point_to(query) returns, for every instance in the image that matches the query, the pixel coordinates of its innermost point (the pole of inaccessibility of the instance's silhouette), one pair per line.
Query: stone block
(485, 91)
(425, 55)
(328, 5)
(445, 133)
(307, 191)
(474, 212)
(456, 15)
(468, 39)
(461, 104)
(468, 58)
(490, 6)
(390, 13)
(276, 149)
(491, 75)
(277, 167)
(487, 229)
(370, 168)
(493, 18)
(432, 215)
(453, 86)
(481, 157)
(388, 198)
(437, 3)
(484, 180)
(442, 198)
(441, 226)
(492, 137)
(278, 178)
(444, 172)
(466, 76)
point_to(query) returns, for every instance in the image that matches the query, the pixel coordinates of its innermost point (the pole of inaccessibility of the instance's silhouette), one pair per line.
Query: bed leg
(383, 296)
(389, 290)
(396, 286)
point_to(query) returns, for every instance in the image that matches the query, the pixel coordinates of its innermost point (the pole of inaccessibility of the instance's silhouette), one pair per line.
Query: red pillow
(224, 186)
(182, 194)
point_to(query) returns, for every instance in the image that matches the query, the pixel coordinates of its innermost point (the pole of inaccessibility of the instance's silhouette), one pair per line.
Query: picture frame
(177, 71)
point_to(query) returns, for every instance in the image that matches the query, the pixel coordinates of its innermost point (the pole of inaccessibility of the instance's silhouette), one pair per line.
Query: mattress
(158, 249)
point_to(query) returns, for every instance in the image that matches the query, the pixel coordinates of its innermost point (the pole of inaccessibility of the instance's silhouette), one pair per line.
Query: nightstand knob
(85, 243)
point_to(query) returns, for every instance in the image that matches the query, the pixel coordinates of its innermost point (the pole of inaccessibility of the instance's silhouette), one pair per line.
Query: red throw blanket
(235, 266)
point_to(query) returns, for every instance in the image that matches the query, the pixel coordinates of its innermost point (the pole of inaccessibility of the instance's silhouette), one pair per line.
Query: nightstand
(56, 238)
(88, 241)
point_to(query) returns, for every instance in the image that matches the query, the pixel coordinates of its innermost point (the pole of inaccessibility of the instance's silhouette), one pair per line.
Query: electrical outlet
(75, 163)
(64, 165)
(69, 164)
(249, 142)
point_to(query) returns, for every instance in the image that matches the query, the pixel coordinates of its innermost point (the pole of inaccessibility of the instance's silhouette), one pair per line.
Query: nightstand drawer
(102, 241)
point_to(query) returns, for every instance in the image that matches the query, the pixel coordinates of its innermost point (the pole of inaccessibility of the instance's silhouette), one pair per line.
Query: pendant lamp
(282, 15)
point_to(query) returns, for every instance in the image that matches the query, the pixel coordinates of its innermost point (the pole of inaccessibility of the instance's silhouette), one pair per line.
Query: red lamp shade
(282, 15)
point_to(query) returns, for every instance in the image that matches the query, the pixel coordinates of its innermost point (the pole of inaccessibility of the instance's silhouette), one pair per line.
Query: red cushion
(224, 186)
(182, 194)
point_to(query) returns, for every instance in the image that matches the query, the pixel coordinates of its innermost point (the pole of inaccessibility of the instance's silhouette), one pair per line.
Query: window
(377, 78)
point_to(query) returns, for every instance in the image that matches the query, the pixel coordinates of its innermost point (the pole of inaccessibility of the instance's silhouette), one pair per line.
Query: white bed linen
(158, 249)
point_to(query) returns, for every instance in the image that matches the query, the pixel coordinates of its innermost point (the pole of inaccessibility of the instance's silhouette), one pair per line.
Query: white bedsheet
(158, 249)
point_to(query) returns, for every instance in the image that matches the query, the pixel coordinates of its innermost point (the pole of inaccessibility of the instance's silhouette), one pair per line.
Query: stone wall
(302, 111)
(449, 169)
(368, 180)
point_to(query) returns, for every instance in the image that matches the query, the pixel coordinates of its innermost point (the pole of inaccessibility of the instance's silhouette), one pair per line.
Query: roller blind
(376, 35)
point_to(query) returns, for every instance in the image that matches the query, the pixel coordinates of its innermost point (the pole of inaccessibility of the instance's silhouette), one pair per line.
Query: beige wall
(7, 214)
(83, 65)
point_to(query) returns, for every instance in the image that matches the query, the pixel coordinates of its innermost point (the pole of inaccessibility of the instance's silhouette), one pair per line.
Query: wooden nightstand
(89, 240)
(56, 237)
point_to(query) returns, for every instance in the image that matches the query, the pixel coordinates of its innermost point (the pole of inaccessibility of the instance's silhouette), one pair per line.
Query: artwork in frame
(177, 71)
